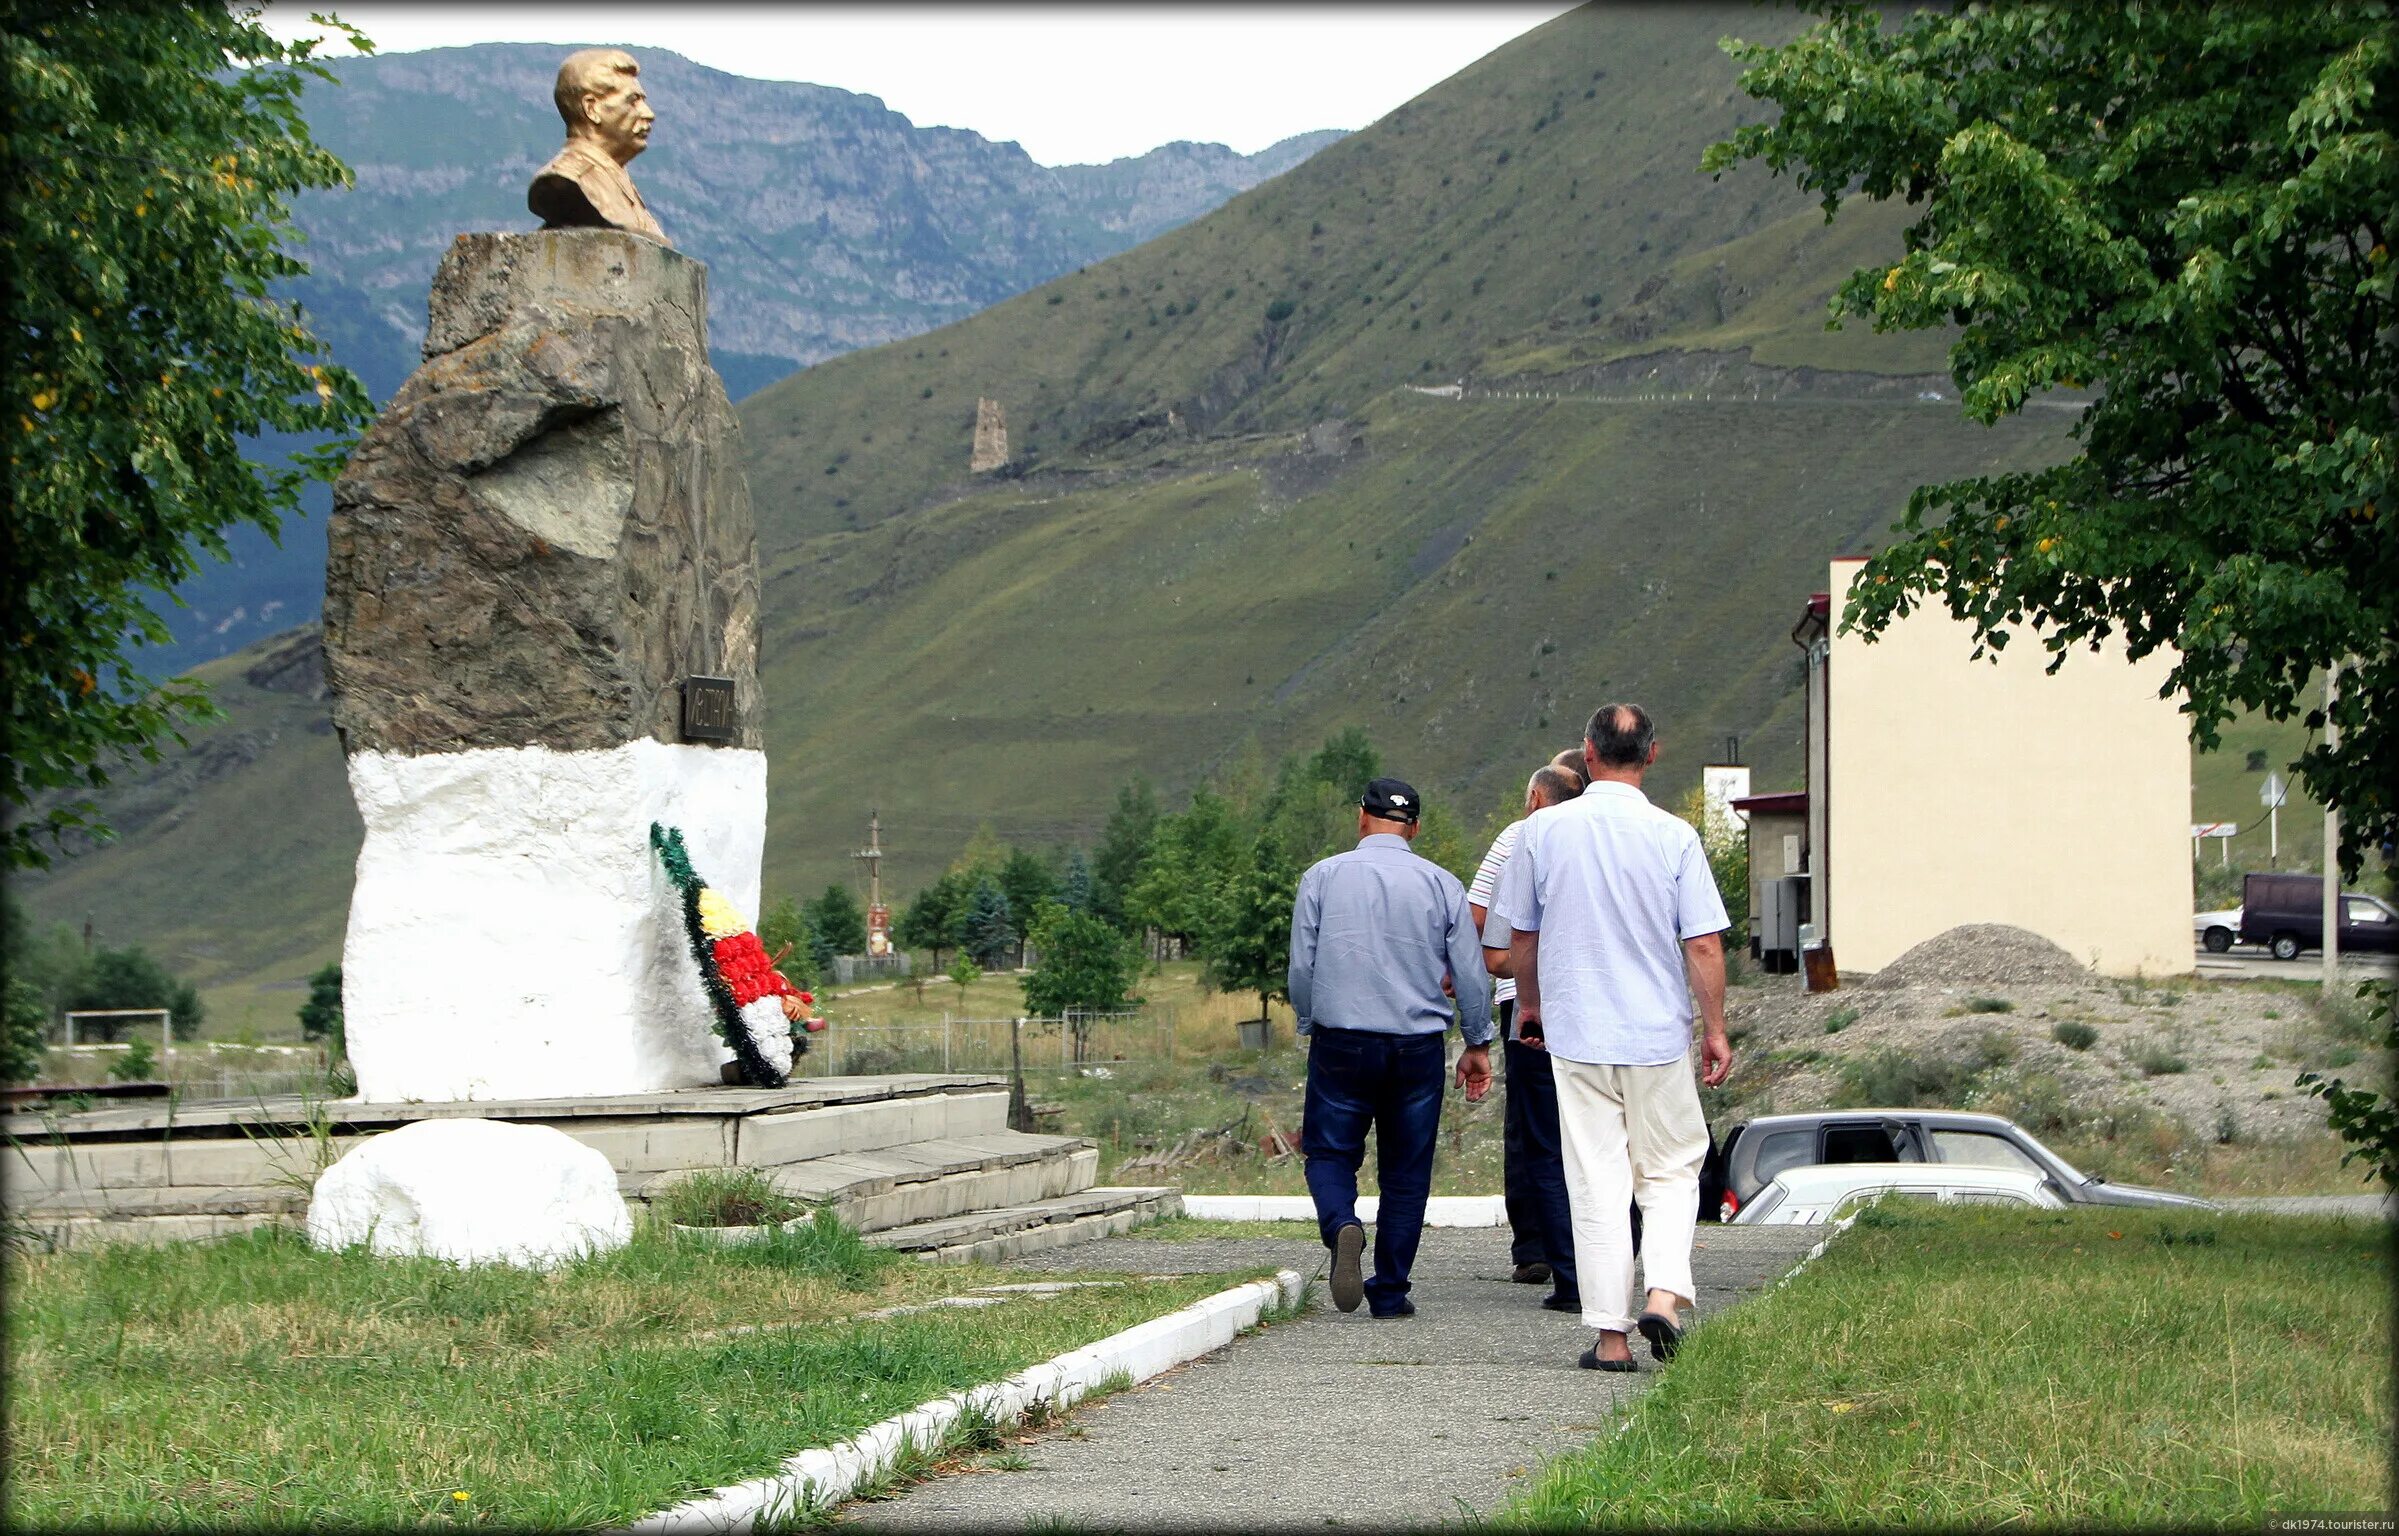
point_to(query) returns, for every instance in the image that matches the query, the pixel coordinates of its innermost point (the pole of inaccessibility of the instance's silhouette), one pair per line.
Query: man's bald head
(1621, 736)
(1552, 785)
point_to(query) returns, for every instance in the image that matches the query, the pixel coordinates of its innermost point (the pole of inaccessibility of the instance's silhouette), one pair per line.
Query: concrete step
(897, 1186)
(988, 1236)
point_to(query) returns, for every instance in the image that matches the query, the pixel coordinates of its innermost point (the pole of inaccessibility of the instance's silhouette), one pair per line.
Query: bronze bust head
(608, 120)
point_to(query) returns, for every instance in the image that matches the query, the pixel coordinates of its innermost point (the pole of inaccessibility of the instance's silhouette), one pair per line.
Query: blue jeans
(1359, 1079)
(1536, 1167)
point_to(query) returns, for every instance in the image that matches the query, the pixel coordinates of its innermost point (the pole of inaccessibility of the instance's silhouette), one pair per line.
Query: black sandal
(1592, 1362)
(1663, 1333)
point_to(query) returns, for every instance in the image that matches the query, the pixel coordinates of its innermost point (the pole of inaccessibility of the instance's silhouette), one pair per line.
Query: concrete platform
(889, 1154)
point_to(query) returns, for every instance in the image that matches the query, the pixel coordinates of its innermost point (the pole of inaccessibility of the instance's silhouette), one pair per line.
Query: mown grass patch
(1969, 1368)
(258, 1383)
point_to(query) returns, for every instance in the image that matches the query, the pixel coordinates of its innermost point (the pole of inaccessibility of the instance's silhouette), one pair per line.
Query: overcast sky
(1072, 84)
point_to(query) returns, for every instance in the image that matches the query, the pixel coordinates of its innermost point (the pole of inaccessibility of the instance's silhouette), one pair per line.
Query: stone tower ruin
(991, 438)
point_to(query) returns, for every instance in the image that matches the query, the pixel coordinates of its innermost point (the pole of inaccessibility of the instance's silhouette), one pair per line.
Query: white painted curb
(826, 1477)
(1439, 1211)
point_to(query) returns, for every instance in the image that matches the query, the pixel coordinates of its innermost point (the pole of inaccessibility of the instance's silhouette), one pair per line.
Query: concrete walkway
(1330, 1419)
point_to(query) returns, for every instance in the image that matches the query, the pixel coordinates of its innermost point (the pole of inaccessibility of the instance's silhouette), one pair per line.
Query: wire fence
(957, 1044)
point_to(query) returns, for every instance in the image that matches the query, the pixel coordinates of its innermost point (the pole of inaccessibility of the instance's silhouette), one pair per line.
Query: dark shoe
(1400, 1308)
(1663, 1333)
(1592, 1362)
(1557, 1302)
(1349, 1282)
(1535, 1273)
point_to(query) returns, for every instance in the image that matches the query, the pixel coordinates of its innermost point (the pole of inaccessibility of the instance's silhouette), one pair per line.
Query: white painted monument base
(512, 935)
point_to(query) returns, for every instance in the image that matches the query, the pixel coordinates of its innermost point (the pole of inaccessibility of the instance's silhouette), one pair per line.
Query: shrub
(1989, 1005)
(1839, 1019)
(23, 1023)
(138, 1064)
(726, 1197)
(1898, 1079)
(2159, 1058)
(2075, 1036)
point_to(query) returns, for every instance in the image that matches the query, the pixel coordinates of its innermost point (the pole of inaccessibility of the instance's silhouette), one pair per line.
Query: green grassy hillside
(1237, 523)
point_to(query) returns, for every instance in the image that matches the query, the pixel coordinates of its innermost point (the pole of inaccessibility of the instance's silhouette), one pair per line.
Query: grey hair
(1554, 785)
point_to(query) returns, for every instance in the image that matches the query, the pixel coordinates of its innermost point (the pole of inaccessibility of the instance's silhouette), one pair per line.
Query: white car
(2217, 930)
(1799, 1196)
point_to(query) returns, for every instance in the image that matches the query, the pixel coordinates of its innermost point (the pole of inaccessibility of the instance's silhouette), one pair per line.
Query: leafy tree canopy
(151, 155)
(1028, 882)
(321, 1015)
(990, 931)
(1124, 845)
(131, 977)
(933, 918)
(2186, 209)
(24, 1024)
(837, 921)
(1248, 947)
(1085, 964)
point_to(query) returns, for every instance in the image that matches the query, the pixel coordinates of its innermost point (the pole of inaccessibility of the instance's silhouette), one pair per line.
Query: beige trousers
(1630, 1133)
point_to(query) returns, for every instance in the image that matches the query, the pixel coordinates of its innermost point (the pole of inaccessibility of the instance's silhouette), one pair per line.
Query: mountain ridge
(1233, 527)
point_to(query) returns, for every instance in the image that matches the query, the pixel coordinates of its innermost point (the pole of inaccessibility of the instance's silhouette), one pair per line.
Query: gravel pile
(1981, 954)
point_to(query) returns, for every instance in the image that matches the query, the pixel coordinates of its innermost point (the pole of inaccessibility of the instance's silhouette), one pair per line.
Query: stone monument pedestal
(542, 539)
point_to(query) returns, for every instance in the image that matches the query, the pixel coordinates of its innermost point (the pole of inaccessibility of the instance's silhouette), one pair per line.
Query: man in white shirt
(1615, 924)
(1540, 1220)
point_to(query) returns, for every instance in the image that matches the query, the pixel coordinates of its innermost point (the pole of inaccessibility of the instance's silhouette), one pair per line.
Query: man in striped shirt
(1535, 1172)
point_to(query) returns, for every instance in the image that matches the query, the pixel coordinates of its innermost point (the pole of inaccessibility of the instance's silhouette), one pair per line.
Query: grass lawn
(1965, 1368)
(258, 1383)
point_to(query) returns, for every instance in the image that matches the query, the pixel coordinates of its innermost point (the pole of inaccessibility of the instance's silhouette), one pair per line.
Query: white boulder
(471, 1192)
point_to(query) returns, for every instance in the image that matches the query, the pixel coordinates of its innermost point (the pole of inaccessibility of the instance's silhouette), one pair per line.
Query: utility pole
(2332, 846)
(878, 916)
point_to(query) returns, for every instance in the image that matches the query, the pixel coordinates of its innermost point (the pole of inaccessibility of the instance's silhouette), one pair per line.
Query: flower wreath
(755, 1006)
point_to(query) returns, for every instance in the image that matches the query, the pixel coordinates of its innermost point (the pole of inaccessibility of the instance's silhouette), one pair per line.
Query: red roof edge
(1790, 802)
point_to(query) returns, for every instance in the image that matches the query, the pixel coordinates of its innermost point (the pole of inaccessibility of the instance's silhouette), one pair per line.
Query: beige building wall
(1966, 792)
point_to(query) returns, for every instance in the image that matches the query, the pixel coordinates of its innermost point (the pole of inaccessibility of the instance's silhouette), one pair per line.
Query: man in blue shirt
(1381, 942)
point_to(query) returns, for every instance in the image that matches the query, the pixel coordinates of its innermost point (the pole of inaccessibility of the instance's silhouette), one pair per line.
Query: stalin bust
(608, 120)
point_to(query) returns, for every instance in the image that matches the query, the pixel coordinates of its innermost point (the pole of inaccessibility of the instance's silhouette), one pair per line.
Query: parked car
(1755, 1151)
(2286, 914)
(1801, 1195)
(2217, 930)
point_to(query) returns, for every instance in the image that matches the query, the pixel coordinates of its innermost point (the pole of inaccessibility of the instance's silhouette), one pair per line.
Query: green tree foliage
(1192, 855)
(131, 977)
(934, 918)
(138, 1064)
(1077, 891)
(24, 1028)
(2185, 209)
(1124, 847)
(1028, 882)
(48, 961)
(2366, 1117)
(321, 1015)
(963, 973)
(983, 854)
(1348, 762)
(839, 924)
(1249, 947)
(785, 931)
(989, 931)
(1085, 965)
(1728, 862)
(148, 227)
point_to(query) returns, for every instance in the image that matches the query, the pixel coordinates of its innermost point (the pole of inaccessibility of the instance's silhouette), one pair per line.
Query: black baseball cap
(1391, 800)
